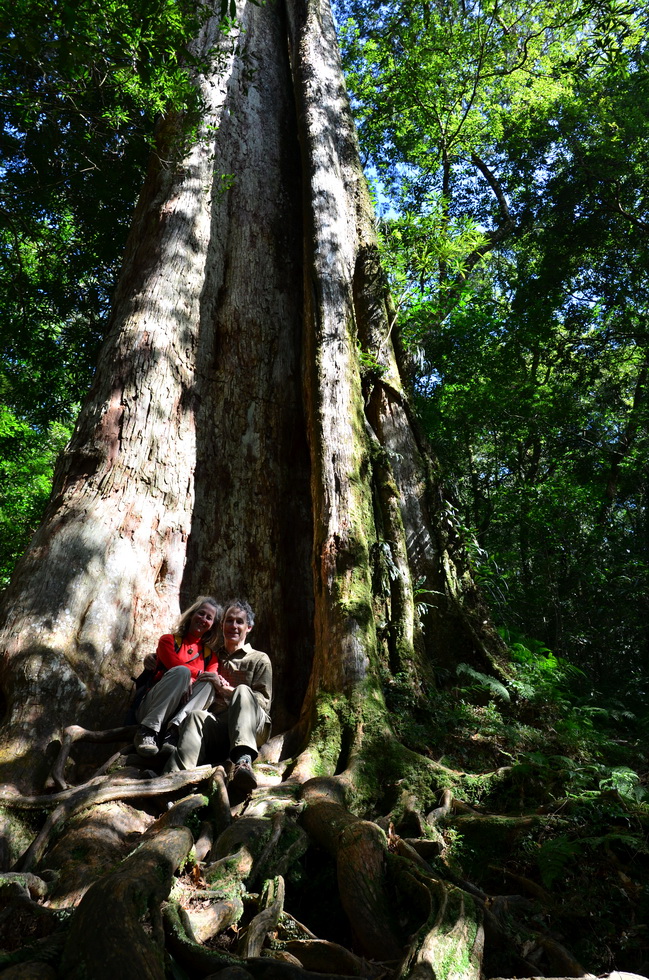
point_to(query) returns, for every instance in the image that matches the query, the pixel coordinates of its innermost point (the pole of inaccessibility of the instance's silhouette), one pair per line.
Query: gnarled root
(450, 943)
(99, 790)
(75, 733)
(360, 850)
(116, 930)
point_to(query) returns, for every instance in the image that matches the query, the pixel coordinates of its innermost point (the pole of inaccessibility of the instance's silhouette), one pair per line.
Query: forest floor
(518, 848)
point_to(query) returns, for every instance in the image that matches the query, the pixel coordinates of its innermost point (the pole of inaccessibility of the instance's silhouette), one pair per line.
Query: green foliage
(509, 149)
(81, 87)
(538, 675)
(88, 62)
(368, 362)
(484, 682)
(553, 856)
(27, 458)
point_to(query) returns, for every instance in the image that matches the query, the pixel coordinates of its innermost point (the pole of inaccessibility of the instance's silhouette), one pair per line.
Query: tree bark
(230, 443)
(107, 938)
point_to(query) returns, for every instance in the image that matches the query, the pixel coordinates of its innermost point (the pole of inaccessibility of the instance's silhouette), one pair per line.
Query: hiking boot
(169, 743)
(243, 778)
(145, 741)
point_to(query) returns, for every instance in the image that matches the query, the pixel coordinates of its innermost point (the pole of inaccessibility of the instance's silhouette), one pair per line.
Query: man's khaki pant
(162, 705)
(205, 738)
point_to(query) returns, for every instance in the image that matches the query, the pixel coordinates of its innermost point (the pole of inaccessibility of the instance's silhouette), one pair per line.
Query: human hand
(216, 680)
(150, 661)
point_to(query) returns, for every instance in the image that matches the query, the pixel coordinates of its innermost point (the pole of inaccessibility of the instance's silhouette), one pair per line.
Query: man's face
(235, 628)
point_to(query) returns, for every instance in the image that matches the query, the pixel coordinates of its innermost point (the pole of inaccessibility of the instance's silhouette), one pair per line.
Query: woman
(181, 657)
(238, 722)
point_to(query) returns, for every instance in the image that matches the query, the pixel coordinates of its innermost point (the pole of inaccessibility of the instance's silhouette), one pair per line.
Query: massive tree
(229, 442)
(248, 431)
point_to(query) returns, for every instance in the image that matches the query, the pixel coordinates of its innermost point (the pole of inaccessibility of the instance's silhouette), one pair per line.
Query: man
(238, 721)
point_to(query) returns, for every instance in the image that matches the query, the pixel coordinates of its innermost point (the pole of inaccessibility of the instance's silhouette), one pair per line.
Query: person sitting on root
(182, 665)
(238, 721)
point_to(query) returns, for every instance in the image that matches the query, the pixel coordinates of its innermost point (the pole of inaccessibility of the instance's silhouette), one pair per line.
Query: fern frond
(484, 680)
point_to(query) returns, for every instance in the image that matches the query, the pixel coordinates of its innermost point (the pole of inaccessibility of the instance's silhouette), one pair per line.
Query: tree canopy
(509, 143)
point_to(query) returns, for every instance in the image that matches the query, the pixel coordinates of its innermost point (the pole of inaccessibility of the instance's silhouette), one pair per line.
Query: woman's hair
(212, 634)
(243, 606)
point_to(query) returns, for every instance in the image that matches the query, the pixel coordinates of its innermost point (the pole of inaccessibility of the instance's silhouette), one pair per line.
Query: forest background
(508, 148)
(507, 145)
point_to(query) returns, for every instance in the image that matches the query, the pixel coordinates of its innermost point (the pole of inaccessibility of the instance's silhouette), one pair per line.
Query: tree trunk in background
(231, 442)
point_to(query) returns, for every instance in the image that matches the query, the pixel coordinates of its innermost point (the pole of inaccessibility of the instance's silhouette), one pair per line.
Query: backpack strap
(178, 642)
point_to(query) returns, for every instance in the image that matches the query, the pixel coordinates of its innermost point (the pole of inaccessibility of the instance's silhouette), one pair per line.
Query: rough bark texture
(108, 920)
(231, 443)
(191, 449)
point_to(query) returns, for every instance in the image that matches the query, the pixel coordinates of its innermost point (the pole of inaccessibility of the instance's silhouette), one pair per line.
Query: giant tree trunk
(229, 444)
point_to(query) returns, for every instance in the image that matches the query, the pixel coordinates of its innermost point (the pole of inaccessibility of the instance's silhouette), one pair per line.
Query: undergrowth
(543, 724)
(547, 746)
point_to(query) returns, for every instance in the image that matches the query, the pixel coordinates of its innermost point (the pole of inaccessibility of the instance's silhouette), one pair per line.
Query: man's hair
(243, 606)
(183, 623)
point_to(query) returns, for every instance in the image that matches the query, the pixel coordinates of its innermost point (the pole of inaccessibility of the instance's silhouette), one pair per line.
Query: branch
(636, 222)
(508, 223)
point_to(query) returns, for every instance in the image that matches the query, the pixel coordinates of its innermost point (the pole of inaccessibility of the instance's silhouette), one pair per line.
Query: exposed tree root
(410, 915)
(450, 943)
(74, 733)
(271, 907)
(99, 790)
(92, 843)
(215, 916)
(116, 930)
(28, 885)
(360, 850)
(328, 957)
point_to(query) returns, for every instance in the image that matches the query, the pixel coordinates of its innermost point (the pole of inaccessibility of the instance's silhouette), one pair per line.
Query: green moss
(449, 933)
(396, 773)
(15, 879)
(384, 769)
(493, 840)
(326, 737)
(211, 960)
(225, 881)
(18, 830)
(354, 732)
(455, 944)
(475, 788)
